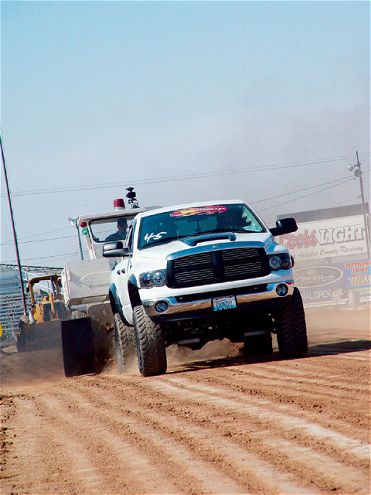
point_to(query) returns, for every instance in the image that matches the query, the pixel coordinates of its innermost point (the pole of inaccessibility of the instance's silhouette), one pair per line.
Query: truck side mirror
(284, 226)
(115, 250)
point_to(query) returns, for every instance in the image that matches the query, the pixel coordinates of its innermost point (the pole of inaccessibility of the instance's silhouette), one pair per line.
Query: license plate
(223, 303)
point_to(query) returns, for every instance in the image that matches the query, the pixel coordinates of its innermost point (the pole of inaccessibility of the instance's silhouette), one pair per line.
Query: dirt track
(222, 425)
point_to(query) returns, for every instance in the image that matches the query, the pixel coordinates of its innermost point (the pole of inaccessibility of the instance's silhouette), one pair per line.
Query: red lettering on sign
(305, 239)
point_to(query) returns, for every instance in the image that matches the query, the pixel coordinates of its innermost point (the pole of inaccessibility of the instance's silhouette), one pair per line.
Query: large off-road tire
(151, 350)
(258, 345)
(291, 328)
(124, 343)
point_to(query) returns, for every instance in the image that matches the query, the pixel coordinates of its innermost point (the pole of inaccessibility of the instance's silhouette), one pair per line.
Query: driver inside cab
(120, 235)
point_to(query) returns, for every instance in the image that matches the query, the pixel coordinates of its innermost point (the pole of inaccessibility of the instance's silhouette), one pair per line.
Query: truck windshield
(198, 220)
(110, 229)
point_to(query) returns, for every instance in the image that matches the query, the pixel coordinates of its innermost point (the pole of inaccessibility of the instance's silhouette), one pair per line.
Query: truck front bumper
(201, 305)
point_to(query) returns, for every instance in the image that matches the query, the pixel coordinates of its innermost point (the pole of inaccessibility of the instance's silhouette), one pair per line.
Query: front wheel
(291, 328)
(124, 343)
(151, 350)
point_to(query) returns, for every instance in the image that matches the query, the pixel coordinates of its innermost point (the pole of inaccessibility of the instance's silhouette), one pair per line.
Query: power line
(330, 184)
(174, 178)
(7, 243)
(334, 182)
(21, 239)
(306, 195)
(264, 209)
(300, 190)
(43, 233)
(340, 181)
(62, 255)
(40, 240)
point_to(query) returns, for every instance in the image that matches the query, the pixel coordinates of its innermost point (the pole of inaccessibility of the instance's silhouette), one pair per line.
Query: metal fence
(11, 308)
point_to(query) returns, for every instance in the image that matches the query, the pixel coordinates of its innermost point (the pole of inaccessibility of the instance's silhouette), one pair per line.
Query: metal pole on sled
(73, 222)
(13, 227)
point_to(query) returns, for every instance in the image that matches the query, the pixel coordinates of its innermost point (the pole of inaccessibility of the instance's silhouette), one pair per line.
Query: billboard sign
(328, 238)
(333, 283)
(321, 283)
(358, 274)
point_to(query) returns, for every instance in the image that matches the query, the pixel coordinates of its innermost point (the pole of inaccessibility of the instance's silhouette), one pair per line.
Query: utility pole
(13, 228)
(356, 169)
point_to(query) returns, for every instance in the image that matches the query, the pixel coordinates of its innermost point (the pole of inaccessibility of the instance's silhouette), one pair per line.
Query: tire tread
(291, 329)
(125, 343)
(151, 350)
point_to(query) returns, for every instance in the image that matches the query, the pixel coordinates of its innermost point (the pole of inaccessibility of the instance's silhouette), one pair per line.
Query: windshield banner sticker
(201, 210)
(154, 237)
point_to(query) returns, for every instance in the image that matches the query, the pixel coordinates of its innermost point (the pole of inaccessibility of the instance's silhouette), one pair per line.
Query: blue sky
(105, 92)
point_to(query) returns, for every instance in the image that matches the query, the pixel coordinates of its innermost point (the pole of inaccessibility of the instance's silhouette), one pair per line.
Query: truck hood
(160, 252)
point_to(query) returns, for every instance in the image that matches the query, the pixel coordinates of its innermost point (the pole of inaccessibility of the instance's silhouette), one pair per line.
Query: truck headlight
(280, 261)
(156, 278)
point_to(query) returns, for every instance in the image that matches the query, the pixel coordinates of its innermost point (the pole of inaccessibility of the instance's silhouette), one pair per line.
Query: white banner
(344, 236)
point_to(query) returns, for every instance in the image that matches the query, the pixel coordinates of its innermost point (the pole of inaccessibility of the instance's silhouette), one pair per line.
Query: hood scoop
(193, 241)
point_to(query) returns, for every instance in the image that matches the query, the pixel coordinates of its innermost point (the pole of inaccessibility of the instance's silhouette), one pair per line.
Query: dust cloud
(216, 349)
(352, 324)
(22, 368)
(180, 355)
(131, 367)
(31, 368)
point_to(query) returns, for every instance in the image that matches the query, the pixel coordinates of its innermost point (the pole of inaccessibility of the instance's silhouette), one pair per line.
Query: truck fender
(116, 303)
(133, 291)
(114, 299)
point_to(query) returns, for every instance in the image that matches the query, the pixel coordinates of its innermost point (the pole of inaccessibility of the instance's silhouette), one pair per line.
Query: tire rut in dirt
(47, 459)
(324, 411)
(241, 464)
(174, 462)
(310, 372)
(333, 445)
(351, 370)
(267, 412)
(121, 461)
(343, 403)
(177, 406)
(337, 402)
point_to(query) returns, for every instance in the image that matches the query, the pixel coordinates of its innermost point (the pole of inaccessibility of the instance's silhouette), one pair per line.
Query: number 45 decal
(154, 237)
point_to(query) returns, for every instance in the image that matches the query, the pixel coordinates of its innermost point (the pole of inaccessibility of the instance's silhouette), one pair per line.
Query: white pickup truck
(188, 274)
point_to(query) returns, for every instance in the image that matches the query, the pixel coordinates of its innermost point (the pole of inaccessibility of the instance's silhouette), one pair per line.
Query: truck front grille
(217, 266)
